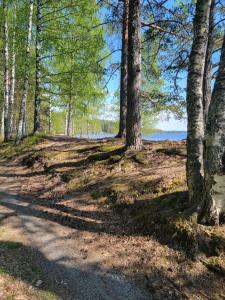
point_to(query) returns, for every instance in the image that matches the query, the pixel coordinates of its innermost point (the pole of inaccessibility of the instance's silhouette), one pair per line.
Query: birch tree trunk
(124, 73)
(66, 120)
(6, 74)
(69, 130)
(214, 188)
(13, 79)
(133, 130)
(22, 116)
(37, 104)
(49, 117)
(195, 133)
(208, 63)
(2, 122)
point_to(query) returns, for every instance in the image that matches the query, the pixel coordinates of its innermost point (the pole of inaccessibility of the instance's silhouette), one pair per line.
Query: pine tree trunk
(13, 79)
(195, 133)
(214, 187)
(133, 130)
(37, 105)
(21, 130)
(6, 75)
(124, 73)
(208, 63)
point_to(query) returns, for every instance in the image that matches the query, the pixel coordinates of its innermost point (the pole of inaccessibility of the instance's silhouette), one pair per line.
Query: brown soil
(125, 208)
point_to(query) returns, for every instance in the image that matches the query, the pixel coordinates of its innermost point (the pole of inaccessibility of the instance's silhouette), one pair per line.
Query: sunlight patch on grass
(9, 149)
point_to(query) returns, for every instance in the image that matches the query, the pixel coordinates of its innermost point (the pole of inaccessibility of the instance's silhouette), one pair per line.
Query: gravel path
(72, 272)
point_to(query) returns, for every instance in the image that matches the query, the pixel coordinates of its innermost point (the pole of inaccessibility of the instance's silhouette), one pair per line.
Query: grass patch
(9, 149)
(216, 264)
(12, 245)
(3, 270)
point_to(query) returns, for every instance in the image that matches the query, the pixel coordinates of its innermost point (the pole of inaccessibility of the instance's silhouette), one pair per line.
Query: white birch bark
(22, 117)
(214, 188)
(13, 78)
(6, 74)
(37, 104)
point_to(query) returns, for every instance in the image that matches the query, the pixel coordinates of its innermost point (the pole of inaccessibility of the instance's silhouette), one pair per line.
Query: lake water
(159, 136)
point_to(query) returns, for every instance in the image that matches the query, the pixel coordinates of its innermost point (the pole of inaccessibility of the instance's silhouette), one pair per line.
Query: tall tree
(69, 129)
(124, 72)
(214, 188)
(208, 62)
(13, 75)
(37, 105)
(133, 130)
(6, 74)
(22, 115)
(195, 133)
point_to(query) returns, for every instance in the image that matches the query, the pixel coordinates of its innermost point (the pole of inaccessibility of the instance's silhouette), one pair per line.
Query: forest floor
(82, 219)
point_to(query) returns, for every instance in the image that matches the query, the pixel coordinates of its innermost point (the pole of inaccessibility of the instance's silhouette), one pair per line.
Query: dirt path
(73, 269)
(88, 217)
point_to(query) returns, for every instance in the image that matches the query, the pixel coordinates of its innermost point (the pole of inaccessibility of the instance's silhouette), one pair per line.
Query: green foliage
(83, 125)
(72, 69)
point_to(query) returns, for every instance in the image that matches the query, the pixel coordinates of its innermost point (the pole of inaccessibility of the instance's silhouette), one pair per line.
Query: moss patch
(9, 149)
(216, 264)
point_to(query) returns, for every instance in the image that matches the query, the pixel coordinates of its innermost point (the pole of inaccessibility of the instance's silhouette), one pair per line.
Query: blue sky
(171, 124)
(164, 123)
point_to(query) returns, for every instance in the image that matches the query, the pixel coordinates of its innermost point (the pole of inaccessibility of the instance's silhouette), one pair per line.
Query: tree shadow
(80, 220)
(165, 218)
(64, 277)
(148, 211)
(152, 213)
(61, 277)
(173, 151)
(22, 263)
(83, 163)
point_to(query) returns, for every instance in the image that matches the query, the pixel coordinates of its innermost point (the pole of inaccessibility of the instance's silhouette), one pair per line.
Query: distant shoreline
(154, 136)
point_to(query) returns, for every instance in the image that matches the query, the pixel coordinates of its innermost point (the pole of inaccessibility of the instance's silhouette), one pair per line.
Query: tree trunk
(133, 130)
(87, 128)
(195, 133)
(2, 122)
(37, 105)
(13, 79)
(6, 75)
(124, 73)
(208, 63)
(69, 131)
(22, 117)
(66, 120)
(49, 117)
(214, 187)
